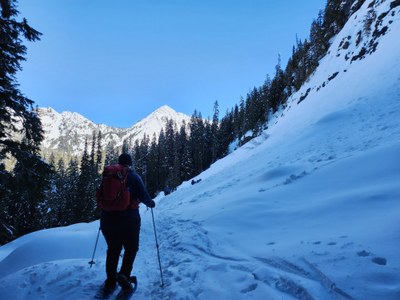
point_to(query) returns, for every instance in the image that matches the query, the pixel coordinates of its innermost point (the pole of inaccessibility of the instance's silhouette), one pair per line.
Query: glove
(151, 204)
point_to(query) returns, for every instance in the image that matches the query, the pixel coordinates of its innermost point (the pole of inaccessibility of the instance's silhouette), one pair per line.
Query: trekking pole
(91, 263)
(158, 252)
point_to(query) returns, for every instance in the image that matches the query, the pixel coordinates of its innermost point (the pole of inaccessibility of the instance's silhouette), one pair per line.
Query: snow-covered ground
(308, 210)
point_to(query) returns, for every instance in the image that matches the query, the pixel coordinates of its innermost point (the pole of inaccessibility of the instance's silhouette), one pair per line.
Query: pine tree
(185, 154)
(85, 200)
(92, 160)
(28, 194)
(196, 142)
(214, 132)
(56, 201)
(60, 206)
(111, 154)
(336, 15)
(153, 163)
(99, 153)
(94, 176)
(51, 194)
(175, 172)
(225, 134)
(71, 192)
(318, 40)
(277, 95)
(141, 154)
(261, 110)
(170, 148)
(236, 122)
(125, 146)
(23, 189)
(265, 98)
(162, 173)
(242, 119)
(207, 142)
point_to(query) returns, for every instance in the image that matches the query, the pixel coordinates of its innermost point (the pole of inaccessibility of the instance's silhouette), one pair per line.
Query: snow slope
(308, 210)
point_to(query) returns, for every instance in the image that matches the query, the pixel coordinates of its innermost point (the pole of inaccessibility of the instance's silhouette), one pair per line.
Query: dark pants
(120, 229)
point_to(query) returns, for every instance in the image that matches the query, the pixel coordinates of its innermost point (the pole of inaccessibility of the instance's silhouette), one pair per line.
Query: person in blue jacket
(121, 229)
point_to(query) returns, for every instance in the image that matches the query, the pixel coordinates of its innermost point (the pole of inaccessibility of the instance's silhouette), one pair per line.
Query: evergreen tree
(60, 205)
(56, 202)
(23, 189)
(92, 160)
(236, 122)
(214, 133)
(71, 192)
(99, 154)
(185, 154)
(336, 15)
(175, 177)
(242, 119)
(265, 98)
(208, 144)
(141, 152)
(163, 167)
(153, 163)
(196, 142)
(170, 148)
(125, 146)
(111, 154)
(28, 194)
(51, 195)
(225, 134)
(94, 176)
(85, 205)
(318, 40)
(277, 94)
(251, 111)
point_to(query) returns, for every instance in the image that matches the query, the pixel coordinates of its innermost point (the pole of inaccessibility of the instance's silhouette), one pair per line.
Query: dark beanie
(125, 159)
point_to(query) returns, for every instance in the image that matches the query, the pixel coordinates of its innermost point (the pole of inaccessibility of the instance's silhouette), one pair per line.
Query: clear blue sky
(115, 62)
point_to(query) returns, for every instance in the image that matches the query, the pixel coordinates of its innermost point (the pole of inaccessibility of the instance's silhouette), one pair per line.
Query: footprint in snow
(379, 261)
(250, 288)
(363, 253)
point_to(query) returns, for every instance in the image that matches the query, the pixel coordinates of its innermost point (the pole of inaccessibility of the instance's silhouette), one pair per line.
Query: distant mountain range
(65, 132)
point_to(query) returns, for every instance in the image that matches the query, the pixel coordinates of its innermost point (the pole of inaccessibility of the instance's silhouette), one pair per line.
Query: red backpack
(113, 194)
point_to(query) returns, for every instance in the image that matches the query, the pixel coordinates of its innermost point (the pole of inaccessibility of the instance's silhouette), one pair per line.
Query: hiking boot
(110, 284)
(107, 289)
(124, 282)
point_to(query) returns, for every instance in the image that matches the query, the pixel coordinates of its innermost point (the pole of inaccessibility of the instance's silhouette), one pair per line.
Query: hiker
(121, 228)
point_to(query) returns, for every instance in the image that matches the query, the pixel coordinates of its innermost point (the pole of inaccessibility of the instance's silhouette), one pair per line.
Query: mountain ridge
(65, 133)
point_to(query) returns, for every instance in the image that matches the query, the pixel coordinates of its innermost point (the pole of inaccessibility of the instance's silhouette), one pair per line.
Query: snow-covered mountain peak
(164, 110)
(162, 114)
(66, 132)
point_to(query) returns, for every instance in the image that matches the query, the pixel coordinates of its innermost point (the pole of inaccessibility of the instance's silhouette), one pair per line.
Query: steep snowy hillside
(309, 210)
(67, 131)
